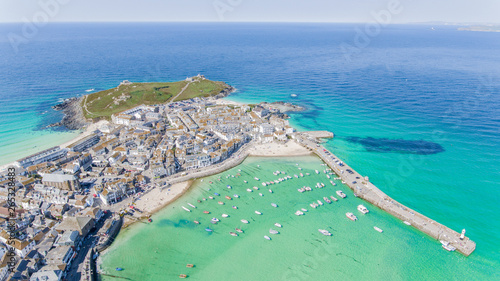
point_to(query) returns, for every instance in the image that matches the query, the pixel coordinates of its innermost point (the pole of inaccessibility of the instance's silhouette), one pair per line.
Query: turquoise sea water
(416, 110)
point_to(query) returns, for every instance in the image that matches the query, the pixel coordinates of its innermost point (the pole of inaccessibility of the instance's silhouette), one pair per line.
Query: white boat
(325, 232)
(210, 197)
(249, 190)
(215, 219)
(303, 210)
(341, 194)
(362, 209)
(186, 209)
(245, 181)
(90, 90)
(256, 178)
(334, 184)
(244, 221)
(446, 245)
(236, 196)
(301, 190)
(320, 203)
(328, 176)
(270, 191)
(258, 213)
(225, 215)
(333, 198)
(313, 205)
(256, 188)
(316, 171)
(378, 229)
(407, 223)
(327, 200)
(351, 216)
(274, 205)
(278, 225)
(191, 205)
(260, 194)
(272, 231)
(233, 234)
(264, 184)
(299, 213)
(267, 237)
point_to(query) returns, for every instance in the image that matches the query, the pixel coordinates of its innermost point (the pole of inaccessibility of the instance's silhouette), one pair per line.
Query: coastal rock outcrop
(73, 115)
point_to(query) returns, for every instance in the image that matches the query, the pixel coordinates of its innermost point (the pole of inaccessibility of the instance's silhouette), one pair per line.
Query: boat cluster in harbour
(246, 221)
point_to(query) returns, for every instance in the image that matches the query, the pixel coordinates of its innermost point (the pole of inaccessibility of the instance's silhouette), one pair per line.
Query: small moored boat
(233, 234)
(362, 209)
(225, 215)
(351, 216)
(278, 225)
(267, 237)
(258, 213)
(341, 194)
(273, 231)
(186, 209)
(325, 232)
(244, 221)
(378, 229)
(191, 205)
(274, 205)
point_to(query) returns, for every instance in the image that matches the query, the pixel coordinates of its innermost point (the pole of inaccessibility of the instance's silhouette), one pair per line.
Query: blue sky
(403, 11)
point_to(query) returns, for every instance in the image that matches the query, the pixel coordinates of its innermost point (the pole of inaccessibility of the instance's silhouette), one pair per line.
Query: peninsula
(141, 139)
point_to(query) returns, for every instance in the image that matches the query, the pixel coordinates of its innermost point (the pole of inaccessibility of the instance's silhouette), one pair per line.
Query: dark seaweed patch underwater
(398, 145)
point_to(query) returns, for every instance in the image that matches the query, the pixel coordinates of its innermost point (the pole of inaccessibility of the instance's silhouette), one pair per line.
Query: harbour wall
(369, 192)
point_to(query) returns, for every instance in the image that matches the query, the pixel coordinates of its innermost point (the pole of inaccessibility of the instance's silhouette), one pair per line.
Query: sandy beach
(227, 102)
(152, 201)
(290, 148)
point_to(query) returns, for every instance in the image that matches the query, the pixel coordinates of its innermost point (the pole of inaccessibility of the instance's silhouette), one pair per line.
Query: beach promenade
(369, 192)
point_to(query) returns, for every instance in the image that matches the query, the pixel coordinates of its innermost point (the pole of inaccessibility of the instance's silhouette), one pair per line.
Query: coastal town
(64, 205)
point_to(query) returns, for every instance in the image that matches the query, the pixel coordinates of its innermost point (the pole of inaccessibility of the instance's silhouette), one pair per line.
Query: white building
(266, 129)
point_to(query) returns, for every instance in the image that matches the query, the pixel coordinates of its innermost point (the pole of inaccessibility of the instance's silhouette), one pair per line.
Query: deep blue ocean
(416, 109)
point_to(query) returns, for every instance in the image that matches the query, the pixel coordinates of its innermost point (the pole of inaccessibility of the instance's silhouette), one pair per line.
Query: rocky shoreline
(73, 114)
(284, 106)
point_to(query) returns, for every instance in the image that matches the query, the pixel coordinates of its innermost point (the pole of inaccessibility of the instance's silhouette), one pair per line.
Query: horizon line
(257, 22)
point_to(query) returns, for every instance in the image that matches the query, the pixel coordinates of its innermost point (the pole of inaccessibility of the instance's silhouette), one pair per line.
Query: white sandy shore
(88, 131)
(157, 198)
(227, 102)
(290, 148)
